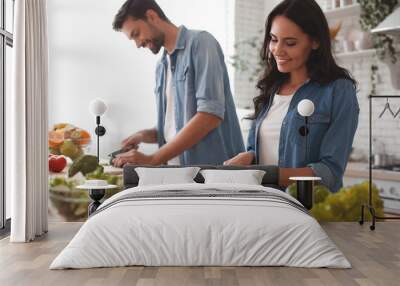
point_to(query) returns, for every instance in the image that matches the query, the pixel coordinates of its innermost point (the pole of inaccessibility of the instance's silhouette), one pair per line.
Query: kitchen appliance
(394, 168)
(382, 160)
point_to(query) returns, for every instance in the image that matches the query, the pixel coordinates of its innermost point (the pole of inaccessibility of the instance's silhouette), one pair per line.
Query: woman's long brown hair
(321, 65)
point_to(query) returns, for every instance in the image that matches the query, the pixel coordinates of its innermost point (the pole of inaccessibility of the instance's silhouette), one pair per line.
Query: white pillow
(248, 177)
(165, 176)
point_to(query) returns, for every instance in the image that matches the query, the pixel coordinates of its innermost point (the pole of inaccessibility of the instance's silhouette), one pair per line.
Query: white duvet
(204, 231)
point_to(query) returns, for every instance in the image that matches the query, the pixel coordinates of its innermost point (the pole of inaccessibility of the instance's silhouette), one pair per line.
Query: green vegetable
(54, 151)
(58, 181)
(344, 205)
(84, 164)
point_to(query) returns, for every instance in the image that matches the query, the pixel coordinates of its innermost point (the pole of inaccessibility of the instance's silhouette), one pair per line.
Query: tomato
(57, 163)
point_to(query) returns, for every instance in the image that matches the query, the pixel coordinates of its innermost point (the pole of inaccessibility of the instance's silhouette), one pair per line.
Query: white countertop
(353, 170)
(360, 170)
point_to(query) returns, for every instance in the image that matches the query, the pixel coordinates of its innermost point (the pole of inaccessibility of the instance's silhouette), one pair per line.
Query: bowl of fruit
(68, 140)
(68, 203)
(71, 204)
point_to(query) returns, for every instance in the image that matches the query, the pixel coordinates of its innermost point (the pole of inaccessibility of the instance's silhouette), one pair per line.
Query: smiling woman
(298, 65)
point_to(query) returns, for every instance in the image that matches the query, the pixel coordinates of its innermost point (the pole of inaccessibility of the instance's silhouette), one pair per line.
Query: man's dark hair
(136, 9)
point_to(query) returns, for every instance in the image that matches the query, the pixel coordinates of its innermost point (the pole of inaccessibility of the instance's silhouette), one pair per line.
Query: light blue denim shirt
(331, 131)
(200, 84)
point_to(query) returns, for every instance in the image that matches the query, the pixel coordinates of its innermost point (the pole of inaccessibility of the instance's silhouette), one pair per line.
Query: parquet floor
(375, 257)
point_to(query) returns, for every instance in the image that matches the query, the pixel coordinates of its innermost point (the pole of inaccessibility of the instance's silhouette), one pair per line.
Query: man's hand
(143, 136)
(132, 142)
(244, 158)
(133, 157)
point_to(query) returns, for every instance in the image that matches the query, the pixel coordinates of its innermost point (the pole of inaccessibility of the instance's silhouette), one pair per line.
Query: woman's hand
(286, 173)
(244, 158)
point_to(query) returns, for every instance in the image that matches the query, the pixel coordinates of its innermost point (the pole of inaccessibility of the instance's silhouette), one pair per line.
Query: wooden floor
(375, 257)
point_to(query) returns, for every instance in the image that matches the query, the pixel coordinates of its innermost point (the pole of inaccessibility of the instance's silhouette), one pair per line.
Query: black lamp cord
(306, 135)
(98, 138)
(303, 130)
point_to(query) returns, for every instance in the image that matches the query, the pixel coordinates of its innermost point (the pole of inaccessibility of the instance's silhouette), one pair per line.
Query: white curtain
(27, 155)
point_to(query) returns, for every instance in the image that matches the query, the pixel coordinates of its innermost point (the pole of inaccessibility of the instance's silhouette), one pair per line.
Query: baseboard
(5, 231)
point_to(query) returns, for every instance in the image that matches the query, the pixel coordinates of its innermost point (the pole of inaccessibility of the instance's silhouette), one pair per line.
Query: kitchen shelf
(355, 54)
(343, 12)
(360, 170)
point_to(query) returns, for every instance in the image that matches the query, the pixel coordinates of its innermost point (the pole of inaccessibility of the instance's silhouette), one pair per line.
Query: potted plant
(245, 48)
(374, 12)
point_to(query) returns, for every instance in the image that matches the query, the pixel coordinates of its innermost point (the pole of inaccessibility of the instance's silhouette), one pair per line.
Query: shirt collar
(180, 41)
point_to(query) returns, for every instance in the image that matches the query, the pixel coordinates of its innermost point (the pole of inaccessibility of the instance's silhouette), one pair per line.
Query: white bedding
(203, 231)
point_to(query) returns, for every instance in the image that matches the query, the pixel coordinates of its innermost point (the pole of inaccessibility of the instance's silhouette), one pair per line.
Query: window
(6, 44)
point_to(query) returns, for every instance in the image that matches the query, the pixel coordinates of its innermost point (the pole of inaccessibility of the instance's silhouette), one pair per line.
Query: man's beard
(157, 43)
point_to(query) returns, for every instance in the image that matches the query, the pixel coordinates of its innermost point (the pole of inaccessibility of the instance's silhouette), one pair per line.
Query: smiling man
(197, 121)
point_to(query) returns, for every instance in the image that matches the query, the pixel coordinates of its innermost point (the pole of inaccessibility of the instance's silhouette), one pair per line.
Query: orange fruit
(55, 139)
(85, 137)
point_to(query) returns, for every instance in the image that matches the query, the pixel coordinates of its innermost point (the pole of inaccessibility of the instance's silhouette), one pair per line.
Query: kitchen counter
(353, 170)
(360, 170)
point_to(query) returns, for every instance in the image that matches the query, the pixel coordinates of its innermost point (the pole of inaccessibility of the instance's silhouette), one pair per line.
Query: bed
(198, 224)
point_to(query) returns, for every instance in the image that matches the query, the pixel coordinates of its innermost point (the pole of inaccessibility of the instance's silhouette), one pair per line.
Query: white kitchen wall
(89, 60)
(249, 22)
(250, 17)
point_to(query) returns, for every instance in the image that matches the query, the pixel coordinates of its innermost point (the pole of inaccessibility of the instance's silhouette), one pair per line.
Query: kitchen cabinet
(388, 183)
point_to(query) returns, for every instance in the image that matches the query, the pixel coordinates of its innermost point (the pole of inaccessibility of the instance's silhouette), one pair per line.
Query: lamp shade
(97, 107)
(391, 24)
(306, 107)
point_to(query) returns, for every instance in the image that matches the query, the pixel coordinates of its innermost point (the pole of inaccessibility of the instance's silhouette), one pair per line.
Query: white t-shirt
(169, 126)
(270, 130)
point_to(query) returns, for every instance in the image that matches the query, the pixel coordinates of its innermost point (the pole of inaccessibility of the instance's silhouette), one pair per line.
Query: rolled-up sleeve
(338, 140)
(209, 75)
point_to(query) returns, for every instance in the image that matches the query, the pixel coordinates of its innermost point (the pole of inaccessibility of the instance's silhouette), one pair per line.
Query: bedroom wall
(89, 60)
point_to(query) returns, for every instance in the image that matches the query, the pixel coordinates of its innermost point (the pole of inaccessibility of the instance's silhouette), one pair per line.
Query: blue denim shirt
(201, 84)
(331, 131)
